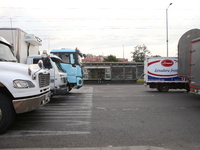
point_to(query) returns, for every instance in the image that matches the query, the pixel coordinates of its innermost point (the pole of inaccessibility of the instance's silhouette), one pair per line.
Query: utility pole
(123, 52)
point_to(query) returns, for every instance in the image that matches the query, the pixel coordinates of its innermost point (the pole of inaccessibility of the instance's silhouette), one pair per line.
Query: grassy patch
(140, 81)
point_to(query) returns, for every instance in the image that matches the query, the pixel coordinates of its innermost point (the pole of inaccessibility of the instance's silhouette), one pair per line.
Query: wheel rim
(164, 88)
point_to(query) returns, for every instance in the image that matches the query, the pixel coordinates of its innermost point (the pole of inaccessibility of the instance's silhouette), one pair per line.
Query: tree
(140, 53)
(111, 58)
(156, 56)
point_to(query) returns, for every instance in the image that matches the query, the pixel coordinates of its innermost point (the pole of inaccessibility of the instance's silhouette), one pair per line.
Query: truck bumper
(79, 82)
(60, 91)
(32, 103)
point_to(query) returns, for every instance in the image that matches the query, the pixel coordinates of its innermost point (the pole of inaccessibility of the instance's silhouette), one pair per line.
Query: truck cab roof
(63, 50)
(40, 56)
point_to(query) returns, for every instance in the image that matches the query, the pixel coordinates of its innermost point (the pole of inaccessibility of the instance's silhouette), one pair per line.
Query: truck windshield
(6, 53)
(65, 56)
(46, 62)
(57, 62)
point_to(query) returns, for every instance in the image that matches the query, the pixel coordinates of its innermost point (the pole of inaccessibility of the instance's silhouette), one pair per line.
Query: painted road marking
(98, 148)
(69, 110)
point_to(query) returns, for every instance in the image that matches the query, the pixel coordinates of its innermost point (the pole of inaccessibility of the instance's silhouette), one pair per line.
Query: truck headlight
(23, 84)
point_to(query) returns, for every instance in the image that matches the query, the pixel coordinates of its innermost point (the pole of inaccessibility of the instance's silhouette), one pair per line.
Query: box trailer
(24, 44)
(194, 66)
(161, 73)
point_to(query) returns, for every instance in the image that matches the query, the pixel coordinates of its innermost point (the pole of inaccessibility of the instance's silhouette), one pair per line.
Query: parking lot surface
(110, 117)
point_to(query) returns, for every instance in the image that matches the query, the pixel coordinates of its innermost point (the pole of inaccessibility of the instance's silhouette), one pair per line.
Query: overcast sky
(103, 27)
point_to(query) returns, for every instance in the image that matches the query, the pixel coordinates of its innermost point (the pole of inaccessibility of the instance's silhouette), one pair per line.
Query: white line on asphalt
(27, 133)
(74, 104)
(63, 109)
(97, 148)
(89, 114)
(129, 96)
(61, 112)
(143, 95)
(78, 123)
(67, 117)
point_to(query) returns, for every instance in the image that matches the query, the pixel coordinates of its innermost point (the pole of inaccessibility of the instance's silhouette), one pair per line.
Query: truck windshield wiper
(12, 60)
(2, 59)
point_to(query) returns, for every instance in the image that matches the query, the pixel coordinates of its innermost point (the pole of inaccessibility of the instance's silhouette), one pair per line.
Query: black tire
(7, 113)
(70, 88)
(163, 87)
(187, 88)
(158, 89)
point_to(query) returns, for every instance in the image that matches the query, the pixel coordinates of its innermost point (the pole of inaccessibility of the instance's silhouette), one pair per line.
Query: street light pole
(167, 27)
(123, 52)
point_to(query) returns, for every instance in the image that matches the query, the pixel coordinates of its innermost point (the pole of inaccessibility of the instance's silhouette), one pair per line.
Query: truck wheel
(188, 88)
(163, 87)
(7, 113)
(158, 89)
(69, 88)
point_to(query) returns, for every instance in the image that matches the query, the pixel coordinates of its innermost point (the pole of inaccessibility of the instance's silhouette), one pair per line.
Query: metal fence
(112, 71)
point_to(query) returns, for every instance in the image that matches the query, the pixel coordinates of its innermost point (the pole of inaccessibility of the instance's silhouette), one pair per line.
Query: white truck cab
(58, 76)
(23, 87)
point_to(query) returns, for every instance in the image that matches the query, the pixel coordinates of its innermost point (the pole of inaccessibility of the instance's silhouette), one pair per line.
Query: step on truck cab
(58, 76)
(23, 87)
(72, 64)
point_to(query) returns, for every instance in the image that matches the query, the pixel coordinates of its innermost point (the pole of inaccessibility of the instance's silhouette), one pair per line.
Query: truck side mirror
(47, 62)
(72, 59)
(40, 64)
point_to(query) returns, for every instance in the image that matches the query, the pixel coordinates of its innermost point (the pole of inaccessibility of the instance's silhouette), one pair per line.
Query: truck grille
(44, 80)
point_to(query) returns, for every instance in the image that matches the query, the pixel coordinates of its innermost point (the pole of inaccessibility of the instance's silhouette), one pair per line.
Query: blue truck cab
(72, 64)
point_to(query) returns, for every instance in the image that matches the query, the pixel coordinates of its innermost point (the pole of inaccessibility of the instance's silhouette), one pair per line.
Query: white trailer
(24, 44)
(161, 73)
(58, 76)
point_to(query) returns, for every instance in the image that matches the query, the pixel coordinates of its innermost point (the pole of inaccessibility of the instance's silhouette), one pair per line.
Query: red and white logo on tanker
(167, 63)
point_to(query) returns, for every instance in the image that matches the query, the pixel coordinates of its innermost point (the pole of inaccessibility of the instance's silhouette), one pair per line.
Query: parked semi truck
(58, 76)
(23, 87)
(161, 73)
(188, 56)
(72, 64)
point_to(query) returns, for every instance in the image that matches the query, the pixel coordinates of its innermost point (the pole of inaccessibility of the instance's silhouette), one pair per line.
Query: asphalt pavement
(110, 117)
